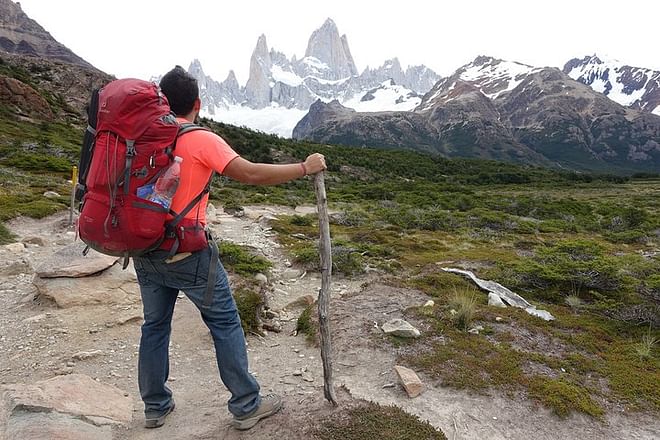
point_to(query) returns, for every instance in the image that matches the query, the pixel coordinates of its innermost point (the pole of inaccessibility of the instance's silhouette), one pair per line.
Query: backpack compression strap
(171, 226)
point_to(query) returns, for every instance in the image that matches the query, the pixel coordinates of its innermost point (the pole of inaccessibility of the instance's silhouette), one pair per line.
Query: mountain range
(593, 114)
(502, 110)
(281, 88)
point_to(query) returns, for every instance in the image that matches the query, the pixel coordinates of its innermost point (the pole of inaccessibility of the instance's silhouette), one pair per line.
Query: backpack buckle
(130, 148)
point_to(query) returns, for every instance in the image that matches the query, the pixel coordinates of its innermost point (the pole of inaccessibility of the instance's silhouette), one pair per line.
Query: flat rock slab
(113, 286)
(70, 262)
(17, 266)
(64, 407)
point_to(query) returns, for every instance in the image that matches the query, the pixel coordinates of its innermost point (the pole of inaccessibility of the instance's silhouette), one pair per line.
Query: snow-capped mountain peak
(630, 86)
(493, 76)
(326, 46)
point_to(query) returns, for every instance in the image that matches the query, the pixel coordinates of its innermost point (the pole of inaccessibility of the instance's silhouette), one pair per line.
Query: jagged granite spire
(329, 48)
(257, 89)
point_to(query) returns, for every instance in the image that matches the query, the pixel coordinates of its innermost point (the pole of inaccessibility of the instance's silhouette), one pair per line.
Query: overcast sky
(143, 38)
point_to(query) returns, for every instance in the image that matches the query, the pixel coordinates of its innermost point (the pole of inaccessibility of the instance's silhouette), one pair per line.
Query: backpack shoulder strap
(184, 128)
(187, 127)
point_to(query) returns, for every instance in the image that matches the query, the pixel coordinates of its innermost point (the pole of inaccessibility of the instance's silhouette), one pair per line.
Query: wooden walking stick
(324, 293)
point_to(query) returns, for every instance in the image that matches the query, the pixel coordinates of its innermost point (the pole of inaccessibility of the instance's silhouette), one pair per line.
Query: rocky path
(77, 342)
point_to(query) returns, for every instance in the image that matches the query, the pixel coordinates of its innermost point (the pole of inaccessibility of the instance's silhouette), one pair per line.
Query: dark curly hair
(181, 90)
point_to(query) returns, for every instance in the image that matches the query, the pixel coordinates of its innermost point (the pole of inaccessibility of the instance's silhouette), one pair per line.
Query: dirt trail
(38, 340)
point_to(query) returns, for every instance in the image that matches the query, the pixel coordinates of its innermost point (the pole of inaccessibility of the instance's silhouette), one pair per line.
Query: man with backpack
(162, 273)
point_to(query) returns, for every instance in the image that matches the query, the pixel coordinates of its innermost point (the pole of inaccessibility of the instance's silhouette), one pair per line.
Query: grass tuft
(645, 347)
(465, 305)
(574, 301)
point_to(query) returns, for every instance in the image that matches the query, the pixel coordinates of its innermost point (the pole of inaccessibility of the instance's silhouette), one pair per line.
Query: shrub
(563, 397)
(307, 255)
(572, 266)
(346, 260)
(352, 217)
(308, 323)
(5, 235)
(249, 304)
(302, 220)
(237, 259)
(372, 421)
(629, 237)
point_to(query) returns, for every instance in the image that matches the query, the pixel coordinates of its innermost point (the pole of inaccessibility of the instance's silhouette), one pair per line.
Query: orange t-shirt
(202, 152)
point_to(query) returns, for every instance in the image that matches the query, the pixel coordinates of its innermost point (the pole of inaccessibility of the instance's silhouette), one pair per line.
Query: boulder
(261, 278)
(15, 248)
(495, 300)
(34, 240)
(290, 274)
(113, 286)
(70, 262)
(65, 407)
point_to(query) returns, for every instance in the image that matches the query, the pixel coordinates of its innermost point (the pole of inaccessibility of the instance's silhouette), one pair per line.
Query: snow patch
(387, 97)
(273, 120)
(617, 94)
(595, 72)
(327, 81)
(285, 77)
(656, 111)
(509, 71)
(315, 63)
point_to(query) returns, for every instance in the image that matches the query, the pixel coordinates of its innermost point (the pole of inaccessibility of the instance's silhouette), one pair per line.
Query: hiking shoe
(158, 421)
(270, 404)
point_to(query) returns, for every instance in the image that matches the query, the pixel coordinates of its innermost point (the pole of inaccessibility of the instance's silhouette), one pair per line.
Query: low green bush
(238, 259)
(249, 304)
(372, 421)
(5, 235)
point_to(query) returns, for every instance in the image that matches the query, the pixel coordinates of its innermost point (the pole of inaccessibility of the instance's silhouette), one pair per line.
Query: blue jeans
(160, 284)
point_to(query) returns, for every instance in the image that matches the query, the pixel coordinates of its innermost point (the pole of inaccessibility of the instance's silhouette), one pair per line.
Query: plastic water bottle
(166, 185)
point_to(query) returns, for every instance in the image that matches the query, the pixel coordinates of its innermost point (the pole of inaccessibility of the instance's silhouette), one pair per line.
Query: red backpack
(130, 145)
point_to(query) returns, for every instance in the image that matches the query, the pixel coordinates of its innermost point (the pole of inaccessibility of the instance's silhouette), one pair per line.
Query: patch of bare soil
(39, 340)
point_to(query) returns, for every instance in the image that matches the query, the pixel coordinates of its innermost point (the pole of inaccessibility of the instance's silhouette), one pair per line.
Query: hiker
(161, 276)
